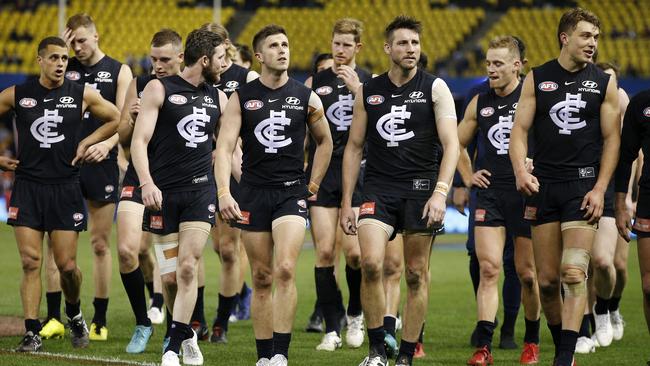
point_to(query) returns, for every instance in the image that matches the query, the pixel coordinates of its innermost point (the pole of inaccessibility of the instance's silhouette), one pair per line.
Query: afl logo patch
(324, 90)
(27, 102)
(109, 188)
(646, 112)
(375, 99)
(104, 75)
(547, 86)
(78, 216)
(72, 75)
(589, 84)
(177, 99)
(487, 111)
(66, 100)
(292, 100)
(253, 105)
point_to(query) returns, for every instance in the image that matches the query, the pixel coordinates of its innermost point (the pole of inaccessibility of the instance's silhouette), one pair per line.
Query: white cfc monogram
(192, 127)
(499, 134)
(340, 113)
(42, 129)
(388, 126)
(269, 132)
(562, 113)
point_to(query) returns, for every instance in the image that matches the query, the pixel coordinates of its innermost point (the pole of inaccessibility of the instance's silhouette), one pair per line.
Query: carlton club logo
(499, 134)
(192, 127)
(375, 99)
(340, 113)
(389, 124)
(253, 105)
(548, 86)
(270, 131)
(646, 112)
(562, 113)
(42, 128)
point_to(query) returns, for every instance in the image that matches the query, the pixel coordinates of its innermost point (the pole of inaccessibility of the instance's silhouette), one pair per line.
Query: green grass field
(450, 319)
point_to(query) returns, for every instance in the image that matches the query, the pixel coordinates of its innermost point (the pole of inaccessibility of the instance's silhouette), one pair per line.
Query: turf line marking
(102, 360)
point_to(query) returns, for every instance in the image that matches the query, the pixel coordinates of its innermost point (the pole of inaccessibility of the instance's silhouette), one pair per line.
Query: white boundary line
(109, 360)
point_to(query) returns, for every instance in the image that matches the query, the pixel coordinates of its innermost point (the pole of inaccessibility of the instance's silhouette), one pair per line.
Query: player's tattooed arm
(105, 111)
(610, 122)
(526, 182)
(447, 127)
(320, 131)
(153, 97)
(130, 112)
(466, 132)
(230, 125)
(352, 162)
(7, 100)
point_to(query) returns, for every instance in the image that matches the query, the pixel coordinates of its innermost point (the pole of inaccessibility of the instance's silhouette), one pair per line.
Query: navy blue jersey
(635, 136)
(568, 138)
(273, 133)
(232, 79)
(181, 144)
(47, 124)
(404, 150)
(102, 77)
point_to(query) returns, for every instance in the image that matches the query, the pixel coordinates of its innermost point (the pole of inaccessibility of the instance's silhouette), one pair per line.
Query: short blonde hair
(349, 26)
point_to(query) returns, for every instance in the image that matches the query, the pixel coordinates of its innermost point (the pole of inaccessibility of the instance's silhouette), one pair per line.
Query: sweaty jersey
(404, 150)
(102, 77)
(273, 133)
(140, 82)
(181, 144)
(495, 116)
(635, 136)
(568, 139)
(338, 101)
(232, 79)
(47, 124)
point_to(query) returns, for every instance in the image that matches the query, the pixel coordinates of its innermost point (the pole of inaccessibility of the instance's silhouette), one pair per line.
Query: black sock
(198, 315)
(592, 322)
(53, 305)
(244, 289)
(353, 277)
(170, 320)
(556, 330)
(376, 341)
(421, 336)
(134, 285)
(32, 325)
(327, 297)
(158, 300)
(149, 288)
(532, 331)
(613, 304)
(264, 348)
(178, 333)
(101, 305)
(281, 343)
(407, 349)
(485, 331)
(390, 325)
(508, 327)
(584, 327)
(602, 305)
(72, 310)
(567, 347)
(223, 311)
